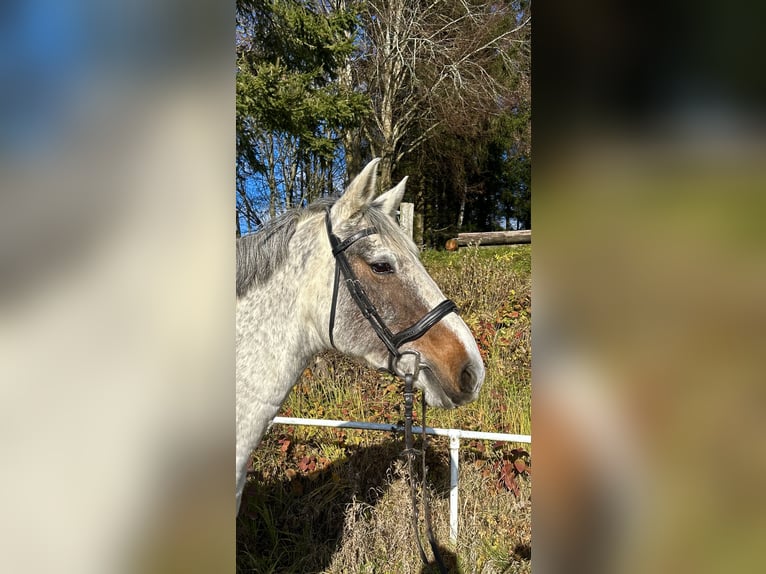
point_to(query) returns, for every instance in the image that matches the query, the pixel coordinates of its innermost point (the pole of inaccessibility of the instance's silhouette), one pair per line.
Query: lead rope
(410, 452)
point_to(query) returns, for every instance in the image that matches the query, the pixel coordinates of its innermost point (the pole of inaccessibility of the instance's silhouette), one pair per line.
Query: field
(337, 500)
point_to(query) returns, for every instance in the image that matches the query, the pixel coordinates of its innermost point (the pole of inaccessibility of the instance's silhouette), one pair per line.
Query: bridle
(392, 341)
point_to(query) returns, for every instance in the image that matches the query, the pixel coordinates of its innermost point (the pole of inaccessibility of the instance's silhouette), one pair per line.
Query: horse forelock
(389, 231)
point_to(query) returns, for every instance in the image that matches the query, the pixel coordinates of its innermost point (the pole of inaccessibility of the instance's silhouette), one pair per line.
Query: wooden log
(495, 238)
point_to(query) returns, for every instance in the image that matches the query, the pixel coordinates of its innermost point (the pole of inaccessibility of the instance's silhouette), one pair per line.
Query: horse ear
(359, 192)
(389, 201)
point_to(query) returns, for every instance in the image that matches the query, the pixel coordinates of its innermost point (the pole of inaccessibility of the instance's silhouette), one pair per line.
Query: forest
(440, 90)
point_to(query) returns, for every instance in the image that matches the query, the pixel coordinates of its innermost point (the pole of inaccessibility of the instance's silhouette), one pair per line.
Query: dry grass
(495, 532)
(332, 500)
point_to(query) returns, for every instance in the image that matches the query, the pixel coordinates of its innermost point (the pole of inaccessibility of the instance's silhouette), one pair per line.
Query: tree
(473, 171)
(439, 90)
(290, 106)
(424, 64)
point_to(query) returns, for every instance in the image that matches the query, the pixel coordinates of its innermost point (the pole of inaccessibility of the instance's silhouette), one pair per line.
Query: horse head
(414, 318)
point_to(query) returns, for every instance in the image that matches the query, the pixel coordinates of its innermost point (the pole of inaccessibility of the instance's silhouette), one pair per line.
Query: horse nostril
(468, 380)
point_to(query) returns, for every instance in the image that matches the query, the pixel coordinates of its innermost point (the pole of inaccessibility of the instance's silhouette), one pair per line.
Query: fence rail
(454, 448)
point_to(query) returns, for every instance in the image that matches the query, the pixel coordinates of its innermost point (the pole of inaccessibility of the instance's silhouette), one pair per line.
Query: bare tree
(425, 63)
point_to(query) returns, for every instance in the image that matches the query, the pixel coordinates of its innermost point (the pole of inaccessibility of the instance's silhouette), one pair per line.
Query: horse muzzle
(449, 390)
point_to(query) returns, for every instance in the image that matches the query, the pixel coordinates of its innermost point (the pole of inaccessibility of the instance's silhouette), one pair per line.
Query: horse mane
(260, 254)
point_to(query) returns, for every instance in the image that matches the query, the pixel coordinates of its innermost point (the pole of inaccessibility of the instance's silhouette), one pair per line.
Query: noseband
(390, 340)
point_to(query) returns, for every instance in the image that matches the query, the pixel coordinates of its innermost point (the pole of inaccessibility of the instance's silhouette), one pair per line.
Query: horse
(386, 312)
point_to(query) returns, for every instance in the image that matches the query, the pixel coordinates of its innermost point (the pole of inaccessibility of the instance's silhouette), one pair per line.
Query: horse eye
(381, 268)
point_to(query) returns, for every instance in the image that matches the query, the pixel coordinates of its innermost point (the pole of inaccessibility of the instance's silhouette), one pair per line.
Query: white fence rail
(454, 449)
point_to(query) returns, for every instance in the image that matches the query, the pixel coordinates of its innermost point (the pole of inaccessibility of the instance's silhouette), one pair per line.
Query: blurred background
(648, 281)
(117, 142)
(116, 276)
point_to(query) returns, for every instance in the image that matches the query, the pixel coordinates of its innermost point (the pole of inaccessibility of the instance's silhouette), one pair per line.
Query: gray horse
(289, 307)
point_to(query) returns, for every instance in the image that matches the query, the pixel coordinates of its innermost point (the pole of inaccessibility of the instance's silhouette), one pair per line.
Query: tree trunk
(417, 229)
(385, 168)
(461, 213)
(417, 223)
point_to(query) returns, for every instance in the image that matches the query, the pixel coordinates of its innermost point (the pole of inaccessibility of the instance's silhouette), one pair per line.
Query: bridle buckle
(402, 365)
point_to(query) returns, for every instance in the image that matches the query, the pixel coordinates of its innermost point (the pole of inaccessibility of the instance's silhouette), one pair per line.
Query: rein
(392, 341)
(409, 451)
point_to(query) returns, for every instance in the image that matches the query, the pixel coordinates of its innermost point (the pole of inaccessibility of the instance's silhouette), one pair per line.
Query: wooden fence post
(406, 211)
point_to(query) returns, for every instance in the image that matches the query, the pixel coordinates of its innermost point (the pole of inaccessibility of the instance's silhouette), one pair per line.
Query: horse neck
(277, 335)
(274, 343)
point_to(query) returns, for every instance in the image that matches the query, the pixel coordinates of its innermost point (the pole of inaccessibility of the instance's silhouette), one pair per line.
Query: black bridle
(392, 342)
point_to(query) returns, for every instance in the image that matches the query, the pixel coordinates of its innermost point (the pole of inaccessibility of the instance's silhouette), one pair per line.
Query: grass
(337, 500)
